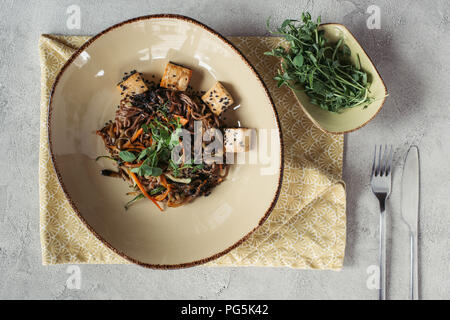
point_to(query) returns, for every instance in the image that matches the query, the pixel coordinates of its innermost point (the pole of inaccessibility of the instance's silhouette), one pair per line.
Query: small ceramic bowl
(350, 119)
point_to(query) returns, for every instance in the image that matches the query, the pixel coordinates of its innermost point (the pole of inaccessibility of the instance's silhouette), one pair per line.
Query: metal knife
(410, 211)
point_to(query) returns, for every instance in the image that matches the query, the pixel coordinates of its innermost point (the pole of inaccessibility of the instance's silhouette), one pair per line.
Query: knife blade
(410, 210)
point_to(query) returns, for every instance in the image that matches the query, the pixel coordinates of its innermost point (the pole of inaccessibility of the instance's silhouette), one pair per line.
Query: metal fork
(381, 182)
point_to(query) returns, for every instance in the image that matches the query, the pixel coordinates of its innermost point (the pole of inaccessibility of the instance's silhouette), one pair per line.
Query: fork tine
(389, 161)
(380, 161)
(374, 160)
(385, 160)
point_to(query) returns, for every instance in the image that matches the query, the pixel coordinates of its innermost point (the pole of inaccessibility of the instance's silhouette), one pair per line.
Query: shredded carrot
(129, 145)
(164, 181)
(166, 185)
(133, 165)
(162, 196)
(183, 121)
(135, 149)
(136, 180)
(137, 134)
(174, 205)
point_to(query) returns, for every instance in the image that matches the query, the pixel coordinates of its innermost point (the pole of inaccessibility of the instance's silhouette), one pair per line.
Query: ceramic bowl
(350, 119)
(84, 97)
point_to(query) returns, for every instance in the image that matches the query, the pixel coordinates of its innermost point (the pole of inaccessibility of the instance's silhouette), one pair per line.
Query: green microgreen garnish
(165, 137)
(322, 69)
(176, 168)
(146, 170)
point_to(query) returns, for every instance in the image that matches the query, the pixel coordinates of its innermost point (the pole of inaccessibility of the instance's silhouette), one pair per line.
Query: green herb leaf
(144, 153)
(146, 170)
(175, 138)
(156, 172)
(127, 156)
(298, 61)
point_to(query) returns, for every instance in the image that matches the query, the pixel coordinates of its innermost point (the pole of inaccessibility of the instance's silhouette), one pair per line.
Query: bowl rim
(316, 123)
(58, 174)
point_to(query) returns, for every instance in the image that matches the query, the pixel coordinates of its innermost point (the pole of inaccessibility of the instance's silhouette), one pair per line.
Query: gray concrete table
(411, 49)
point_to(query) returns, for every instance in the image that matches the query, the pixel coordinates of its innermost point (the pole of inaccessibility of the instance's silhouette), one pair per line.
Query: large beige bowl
(84, 97)
(350, 119)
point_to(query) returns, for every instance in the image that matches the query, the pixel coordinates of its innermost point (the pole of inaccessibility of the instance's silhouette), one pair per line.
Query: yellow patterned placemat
(305, 230)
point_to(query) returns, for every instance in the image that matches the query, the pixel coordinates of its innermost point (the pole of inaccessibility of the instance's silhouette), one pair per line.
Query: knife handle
(382, 253)
(414, 267)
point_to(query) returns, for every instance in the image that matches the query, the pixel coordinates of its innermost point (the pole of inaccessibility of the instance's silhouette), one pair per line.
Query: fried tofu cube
(238, 139)
(176, 77)
(218, 99)
(132, 85)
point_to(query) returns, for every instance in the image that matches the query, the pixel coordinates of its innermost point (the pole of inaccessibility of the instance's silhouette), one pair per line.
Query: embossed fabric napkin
(305, 230)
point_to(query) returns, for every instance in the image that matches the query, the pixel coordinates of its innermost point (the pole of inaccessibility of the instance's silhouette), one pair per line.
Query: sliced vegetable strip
(136, 134)
(183, 121)
(138, 183)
